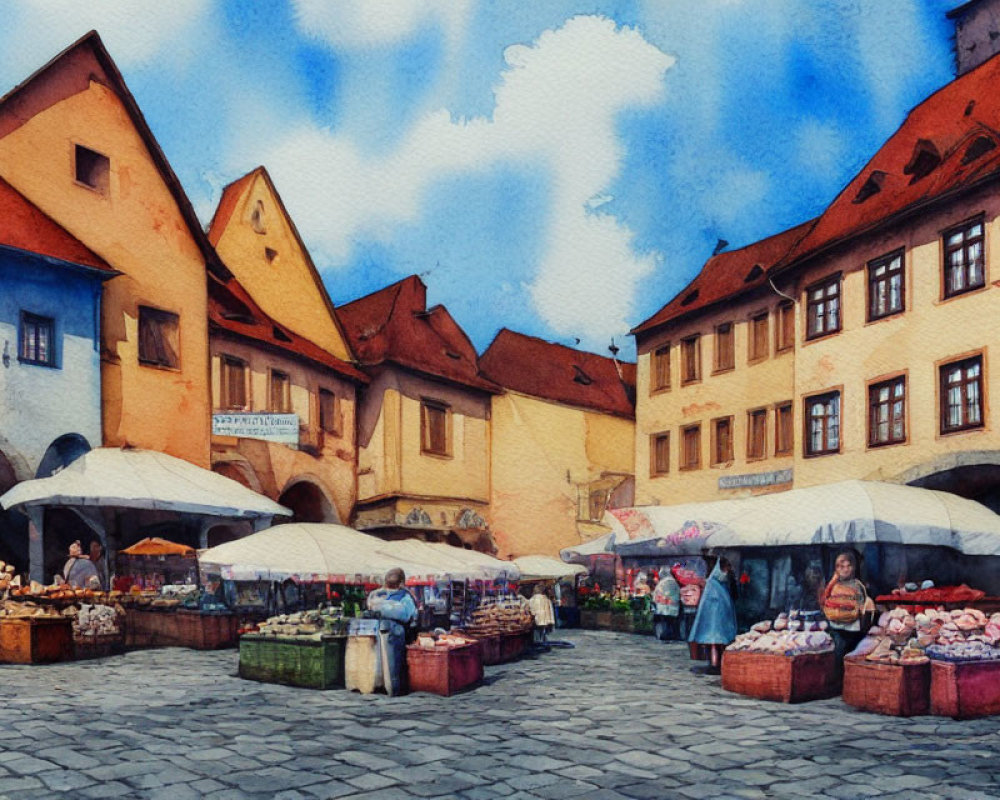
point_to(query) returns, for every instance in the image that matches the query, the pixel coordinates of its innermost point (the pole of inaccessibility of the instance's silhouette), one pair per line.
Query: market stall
(562, 576)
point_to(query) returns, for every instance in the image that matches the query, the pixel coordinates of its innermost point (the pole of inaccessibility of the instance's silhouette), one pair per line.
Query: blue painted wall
(40, 403)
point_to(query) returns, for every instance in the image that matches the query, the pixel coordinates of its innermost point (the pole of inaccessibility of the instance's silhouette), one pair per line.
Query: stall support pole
(36, 543)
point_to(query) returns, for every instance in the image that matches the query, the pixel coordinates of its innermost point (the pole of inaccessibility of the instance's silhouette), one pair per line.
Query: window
(434, 419)
(784, 327)
(596, 501)
(725, 357)
(691, 359)
(158, 338)
(329, 412)
(661, 368)
(37, 345)
(234, 384)
(722, 440)
(823, 308)
(92, 169)
(963, 258)
(759, 343)
(887, 412)
(691, 447)
(783, 429)
(823, 424)
(659, 454)
(885, 286)
(280, 396)
(757, 434)
(962, 395)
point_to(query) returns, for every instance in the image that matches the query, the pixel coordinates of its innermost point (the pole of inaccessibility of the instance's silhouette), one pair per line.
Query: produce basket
(787, 679)
(36, 640)
(899, 690)
(295, 661)
(443, 670)
(965, 689)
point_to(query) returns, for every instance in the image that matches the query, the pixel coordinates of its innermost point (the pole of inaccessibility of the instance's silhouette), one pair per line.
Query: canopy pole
(36, 542)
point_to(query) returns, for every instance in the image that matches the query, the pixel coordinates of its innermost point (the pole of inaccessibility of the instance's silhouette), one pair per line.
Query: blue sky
(558, 167)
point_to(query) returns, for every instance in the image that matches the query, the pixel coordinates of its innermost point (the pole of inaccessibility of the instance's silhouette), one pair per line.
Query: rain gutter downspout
(795, 355)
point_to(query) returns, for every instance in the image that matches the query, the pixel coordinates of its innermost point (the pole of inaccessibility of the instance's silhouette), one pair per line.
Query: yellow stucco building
(73, 141)
(563, 443)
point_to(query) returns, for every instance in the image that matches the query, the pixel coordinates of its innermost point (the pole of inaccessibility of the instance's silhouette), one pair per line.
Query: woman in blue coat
(715, 622)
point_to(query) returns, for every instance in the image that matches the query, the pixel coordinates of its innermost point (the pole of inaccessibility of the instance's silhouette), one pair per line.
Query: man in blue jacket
(396, 610)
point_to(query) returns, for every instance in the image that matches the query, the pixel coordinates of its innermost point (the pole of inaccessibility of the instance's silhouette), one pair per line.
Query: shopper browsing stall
(542, 612)
(667, 607)
(715, 622)
(396, 610)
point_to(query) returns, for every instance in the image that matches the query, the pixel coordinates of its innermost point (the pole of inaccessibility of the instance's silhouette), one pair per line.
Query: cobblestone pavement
(618, 716)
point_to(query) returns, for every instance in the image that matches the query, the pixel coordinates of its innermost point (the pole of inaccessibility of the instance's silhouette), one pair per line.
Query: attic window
(280, 335)
(871, 186)
(755, 272)
(581, 377)
(257, 218)
(690, 297)
(452, 354)
(923, 161)
(93, 170)
(980, 147)
(970, 107)
(270, 254)
(235, 316)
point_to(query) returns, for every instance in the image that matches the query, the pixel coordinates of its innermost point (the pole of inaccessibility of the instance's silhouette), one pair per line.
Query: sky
(561, 168)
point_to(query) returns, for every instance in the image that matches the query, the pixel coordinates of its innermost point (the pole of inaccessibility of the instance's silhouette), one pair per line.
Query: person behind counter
(78, 571)
(845, 604)
(715, 621)
(97, 557)
(396, 610)
(542, 612)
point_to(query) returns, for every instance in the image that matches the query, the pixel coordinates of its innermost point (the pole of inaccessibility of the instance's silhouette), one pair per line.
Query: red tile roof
(927, 159)
(395, 325)
(232, 309)
(25, 226)
(558, 373)
(727, 275)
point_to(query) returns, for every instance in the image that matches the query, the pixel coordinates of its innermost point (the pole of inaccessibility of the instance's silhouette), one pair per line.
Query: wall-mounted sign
(283, 428)
(755, 479)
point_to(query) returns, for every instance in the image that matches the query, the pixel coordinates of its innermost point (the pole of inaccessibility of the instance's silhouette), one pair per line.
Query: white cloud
(352, 24)
(556, 108)
(820, 147)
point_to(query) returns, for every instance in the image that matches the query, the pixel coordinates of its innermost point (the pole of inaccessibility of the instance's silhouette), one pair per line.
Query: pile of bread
(787, 635)
(432, 641)
(495, 616)
(903, 638)
(95, 620)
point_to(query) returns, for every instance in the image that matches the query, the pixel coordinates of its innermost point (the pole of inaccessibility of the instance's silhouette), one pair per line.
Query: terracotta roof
(555, 372)
(25, 226)
(395, 325)
(727, 275)
(948, 143)
(79, 64)
(232, 309)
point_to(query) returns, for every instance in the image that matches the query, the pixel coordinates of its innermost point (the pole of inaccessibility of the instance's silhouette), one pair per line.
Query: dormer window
(581, 377)
(871, 186)
(690, 297)
(980, 147)
(280, 335)
(755, 272)
(270, 254)
(93, 170)
(923, 161)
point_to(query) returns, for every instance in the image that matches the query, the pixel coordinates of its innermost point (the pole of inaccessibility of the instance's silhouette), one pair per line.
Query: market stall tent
(598, 546)
(546, 568)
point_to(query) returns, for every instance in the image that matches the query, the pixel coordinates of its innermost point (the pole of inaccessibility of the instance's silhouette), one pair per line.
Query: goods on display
(23, 609)
(95, 620)
(497, 615)
(958, 635)
(787, 635)
(432, 640)
(327, 620)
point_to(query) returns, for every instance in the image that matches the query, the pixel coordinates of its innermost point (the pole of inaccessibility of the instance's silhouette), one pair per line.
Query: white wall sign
(755, 479)
(283, 428)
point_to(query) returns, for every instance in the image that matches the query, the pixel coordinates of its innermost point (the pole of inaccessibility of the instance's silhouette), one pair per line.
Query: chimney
(977, 33)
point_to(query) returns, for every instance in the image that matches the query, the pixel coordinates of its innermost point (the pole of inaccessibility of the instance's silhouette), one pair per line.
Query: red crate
(179, 628)
(489, 649)
(964, 690)
(443, 670)
(899, 690)
(36, 640)
(787, 679)
(513, 645)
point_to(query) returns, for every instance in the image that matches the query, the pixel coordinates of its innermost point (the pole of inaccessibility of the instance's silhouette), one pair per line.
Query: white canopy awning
(547, 568)
(838, 513)
(336, 553)
(112, 477)
(602, 544)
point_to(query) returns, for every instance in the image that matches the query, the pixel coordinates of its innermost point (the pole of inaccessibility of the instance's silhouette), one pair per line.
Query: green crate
(311, 663)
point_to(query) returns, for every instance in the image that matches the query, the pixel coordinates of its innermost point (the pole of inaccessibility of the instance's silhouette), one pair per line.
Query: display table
(965, 689)
(180, 628)
(98, 646)
(513, 645)
(443, 670)
(293, 660)
(787, 679)
(900, 690)
(489, 649)
(35, 640)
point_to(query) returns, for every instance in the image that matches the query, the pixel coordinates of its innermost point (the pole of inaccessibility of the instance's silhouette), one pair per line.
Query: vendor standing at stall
(845, 604)
(78, 571)
(396, 610)
(715, 622)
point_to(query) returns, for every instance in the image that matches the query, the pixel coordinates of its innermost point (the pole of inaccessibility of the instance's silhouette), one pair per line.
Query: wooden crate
(98, 646)
(513, 645)
(36, 640)
(622, 621)
(180, 628)
(489, 649)
(787, 679)
(311, 663)
(900, 690)
(443, 670)
(965, 689)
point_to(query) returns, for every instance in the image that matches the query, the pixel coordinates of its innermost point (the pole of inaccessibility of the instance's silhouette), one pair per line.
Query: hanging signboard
(755, 479)
(283, 428)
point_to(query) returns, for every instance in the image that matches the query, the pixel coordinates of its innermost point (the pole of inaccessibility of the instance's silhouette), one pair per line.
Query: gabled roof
(395, 325)
(232, 309)
(943, 147)
(77, 65)
(25, 226)
(727, 275)
(555, 372)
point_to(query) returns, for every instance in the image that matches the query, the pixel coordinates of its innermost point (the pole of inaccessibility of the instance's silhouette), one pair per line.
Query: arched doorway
(975, 475)
(13, 526)
(308, 502)
(240, 472)
(61, 453)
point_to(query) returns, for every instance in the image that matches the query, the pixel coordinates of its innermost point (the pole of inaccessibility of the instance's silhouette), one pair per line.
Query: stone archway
(61, 453)
(309, 501)
(240, 471)
(973, 474)
(13, 526)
